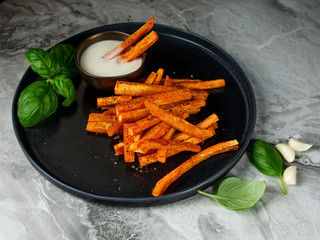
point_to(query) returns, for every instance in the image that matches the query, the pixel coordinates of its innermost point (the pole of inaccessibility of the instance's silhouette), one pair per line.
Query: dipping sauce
(92, 62)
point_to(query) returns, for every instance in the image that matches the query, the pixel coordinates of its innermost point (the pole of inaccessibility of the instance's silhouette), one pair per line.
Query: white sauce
(92, 62)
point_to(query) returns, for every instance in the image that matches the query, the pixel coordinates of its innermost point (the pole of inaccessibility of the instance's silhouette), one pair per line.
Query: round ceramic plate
(85, 164)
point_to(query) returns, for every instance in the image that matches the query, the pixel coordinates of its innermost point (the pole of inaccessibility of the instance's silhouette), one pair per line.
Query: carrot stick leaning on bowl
(130, 40)
(162, 185)
(139, 48)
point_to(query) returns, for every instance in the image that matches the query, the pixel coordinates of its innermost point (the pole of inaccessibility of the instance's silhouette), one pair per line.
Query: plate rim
(146, 201)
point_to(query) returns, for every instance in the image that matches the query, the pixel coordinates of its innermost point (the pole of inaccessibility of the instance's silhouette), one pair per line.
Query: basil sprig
(38, 101)
(237, 194)
(266, 159)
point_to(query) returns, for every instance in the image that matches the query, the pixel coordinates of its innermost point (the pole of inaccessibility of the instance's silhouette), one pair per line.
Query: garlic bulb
(298, 146)
(290, 175)
(286, 151)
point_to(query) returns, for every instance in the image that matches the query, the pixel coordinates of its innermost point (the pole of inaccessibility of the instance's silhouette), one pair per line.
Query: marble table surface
(277, 43)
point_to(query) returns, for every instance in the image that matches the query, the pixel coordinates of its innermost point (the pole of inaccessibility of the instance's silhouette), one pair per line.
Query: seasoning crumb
(115, 162)
(116, 179)
(119, 188)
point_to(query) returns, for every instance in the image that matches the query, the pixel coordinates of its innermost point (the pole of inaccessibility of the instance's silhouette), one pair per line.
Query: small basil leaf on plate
(40, 62)
(36, 102)
(63, 57)
(64, 87)
(266, 159)
(237, 194)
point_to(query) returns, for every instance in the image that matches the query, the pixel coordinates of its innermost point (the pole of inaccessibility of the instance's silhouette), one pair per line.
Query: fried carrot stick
(150, 79)
(167, 81)
(118, 148)
(176, 122)
(130, 40)
(111, 101)
(159, 76)
(115, 128)
(168, 144)
(209, 121)
(128, 140)
(133, 116)
(140, 89)
(152, 158)
(191, 107)
(110, 111)
(99, 117)
(199, 94)
(98, 127)
(203, 85)
(163, 184)
(139, 48)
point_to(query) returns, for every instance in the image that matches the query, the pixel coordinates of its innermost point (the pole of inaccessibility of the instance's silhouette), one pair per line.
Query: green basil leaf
(36, 102)
(64, 87)
(63, 58)
(40, 62)
(237, 194)
(266, 159)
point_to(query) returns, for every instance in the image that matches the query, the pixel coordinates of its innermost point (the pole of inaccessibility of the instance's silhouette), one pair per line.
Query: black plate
(85, 164)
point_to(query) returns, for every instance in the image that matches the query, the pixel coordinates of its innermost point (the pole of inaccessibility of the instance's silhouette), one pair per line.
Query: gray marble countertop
(277, 43)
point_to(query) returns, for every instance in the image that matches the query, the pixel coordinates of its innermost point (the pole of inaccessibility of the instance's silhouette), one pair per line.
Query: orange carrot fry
(118, 148)
(169, 134)
(152, 158)
(130, 40)
(140, 89)
(159, 76)
(176, 122)
(182, 80)
(133, 116)
(115, 128)
(128, 140)
(99, 117)
(162, 185)
(203, 85)
(155, 132)
(110, 111)
(159, 99)
(139, 48)
(150, 79)
(131, 105)
(162, 155)
(168, 144)
(112, 100)
(98, 127)
(199, 94)
(167, 81)
(147, 122)
(209, 121)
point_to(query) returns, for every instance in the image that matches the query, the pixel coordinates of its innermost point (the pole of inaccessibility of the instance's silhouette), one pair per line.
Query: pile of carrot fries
(151, 116)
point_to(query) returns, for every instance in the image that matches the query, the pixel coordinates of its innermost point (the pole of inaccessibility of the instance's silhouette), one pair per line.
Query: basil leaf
(237, 194)
(36, 102)
(63, 58)
(64, 87)
(266, 159)
(40, 62)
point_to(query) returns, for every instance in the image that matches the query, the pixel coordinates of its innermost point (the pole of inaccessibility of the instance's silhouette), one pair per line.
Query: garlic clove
(290, 175)
(286, 151)
(299, 146)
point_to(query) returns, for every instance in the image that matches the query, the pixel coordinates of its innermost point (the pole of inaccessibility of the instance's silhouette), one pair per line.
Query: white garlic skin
(298, 146)
(290, 176)
(286, 151)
